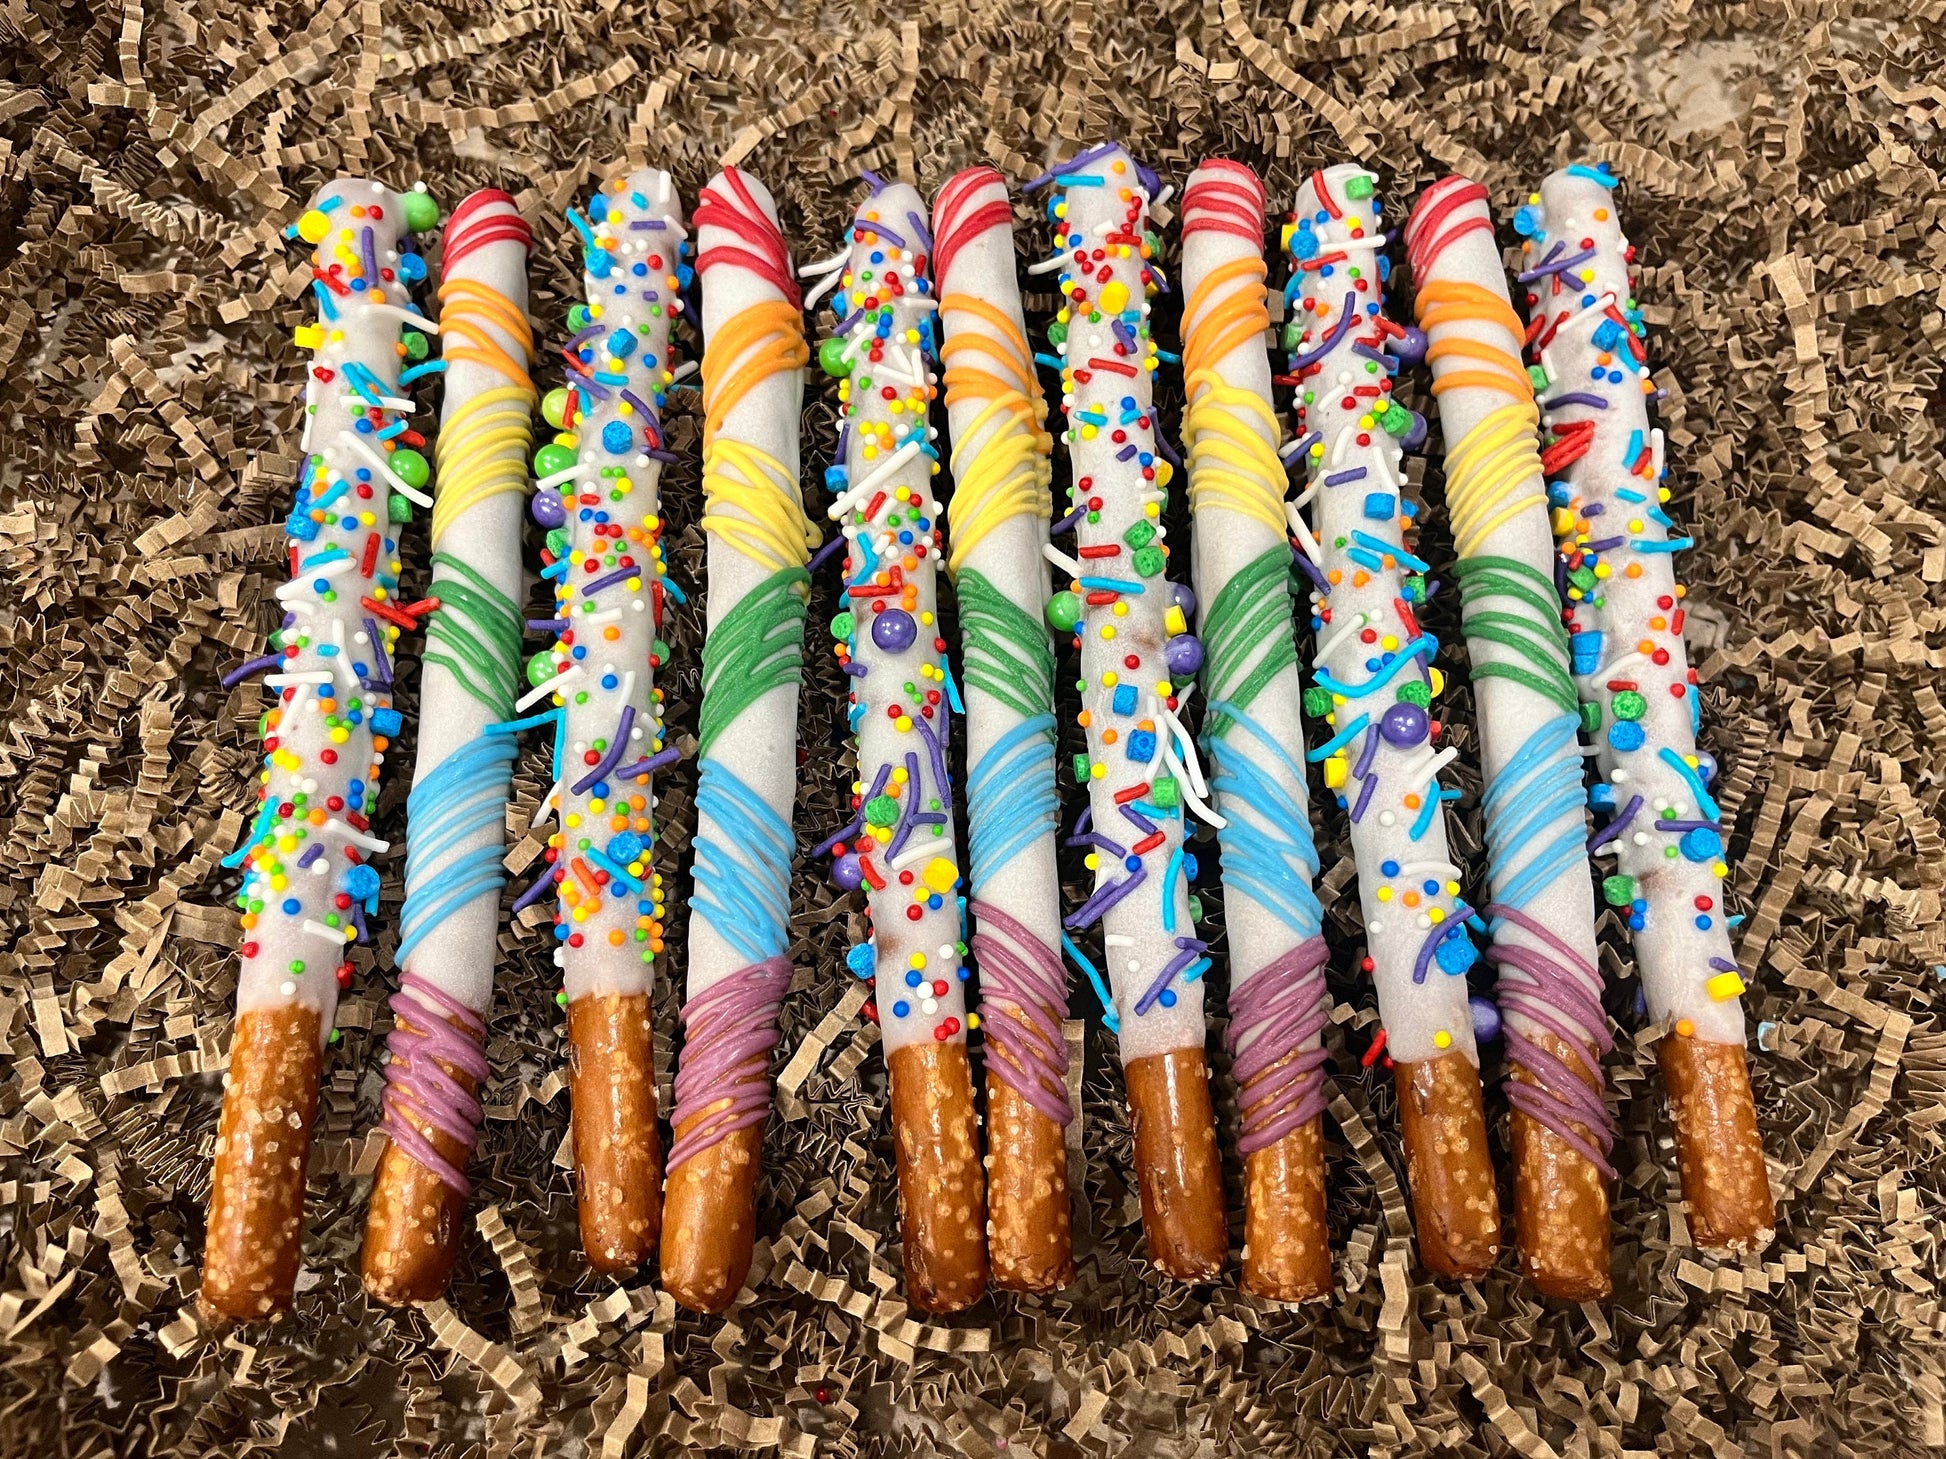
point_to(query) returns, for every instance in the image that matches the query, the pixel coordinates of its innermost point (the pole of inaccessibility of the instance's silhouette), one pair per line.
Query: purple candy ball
(1486, 1019)
(1404, 725)
(1410, 348)
(548, 509)
(1415, 435)
(1183, 654)
(846, 872)
(894, 630)
(1182, 596)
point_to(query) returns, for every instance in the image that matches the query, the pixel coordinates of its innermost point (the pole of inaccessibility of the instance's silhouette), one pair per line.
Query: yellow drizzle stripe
(1485, 471)
(1001, 466)
(751, 499)
(482, 450)
(1229, 433)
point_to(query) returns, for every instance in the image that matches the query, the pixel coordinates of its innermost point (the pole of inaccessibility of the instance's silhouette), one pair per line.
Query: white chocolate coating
(1257, 770)
(457, 951)
(1108, 359)
(611, 903)
(1684, 943)
(1424, 1008)
(1539, 864)
(900, 708)
(296, 935)
(759, 747)
(1000, 449)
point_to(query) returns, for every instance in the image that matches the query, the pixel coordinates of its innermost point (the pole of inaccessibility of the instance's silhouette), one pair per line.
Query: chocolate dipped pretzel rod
(307, 888)
(1625, 618)
(1375, 682)
(1541, 916)
(599, 498)
(1254, 732)
(1141, 768)
(456, 816)
(759, 542)
(900, 842)
(999, 515)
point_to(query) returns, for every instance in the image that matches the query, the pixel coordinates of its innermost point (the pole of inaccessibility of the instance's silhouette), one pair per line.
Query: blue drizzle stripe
(743, 882)
(1535, 791)
(1011, 797)
(465, 796)
(1272, 867)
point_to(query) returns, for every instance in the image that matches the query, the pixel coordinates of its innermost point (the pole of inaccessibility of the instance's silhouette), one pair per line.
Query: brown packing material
(1791, 254)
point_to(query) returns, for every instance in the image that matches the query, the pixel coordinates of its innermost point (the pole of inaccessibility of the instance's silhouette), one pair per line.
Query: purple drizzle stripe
(723, 1079)
(1279, 1011)
(1554, 988)
(1023, 998)
(415, 1082)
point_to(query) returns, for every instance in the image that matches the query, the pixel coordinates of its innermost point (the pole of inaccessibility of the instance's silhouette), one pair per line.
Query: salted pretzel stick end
(262, 1148)
(1180, 1173)
(617, 1143)
(1033, 1248)
(412, 1231)
(1456, 1210)
(942, 1190)
(1725, 1187)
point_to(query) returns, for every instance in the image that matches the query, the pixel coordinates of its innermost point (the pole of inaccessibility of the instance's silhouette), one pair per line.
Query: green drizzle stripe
(757, 647)
(1534, 632)
(475, 635)
(1247, 638)
(1007, 653)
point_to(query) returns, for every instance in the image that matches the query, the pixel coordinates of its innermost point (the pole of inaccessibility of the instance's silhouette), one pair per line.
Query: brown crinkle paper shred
(1783, 168)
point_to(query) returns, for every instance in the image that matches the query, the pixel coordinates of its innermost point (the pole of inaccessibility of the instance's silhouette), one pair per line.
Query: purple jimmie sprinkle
(858, 820)
(1073, 164)
(1575, 397)
(547, 625)
(1723, 965)
(920, 230)
(311, 854)
(1615, 827)
(1551, 265)
(255, 666)
(1365, 793)
(609, 579)
(905, 806)
(649, 766)
(377, 640)
(1305, 359)
(825, 553)
(615, 748)
(1092, 910)
(1340, 478)
(535, 891)
(1192, 948)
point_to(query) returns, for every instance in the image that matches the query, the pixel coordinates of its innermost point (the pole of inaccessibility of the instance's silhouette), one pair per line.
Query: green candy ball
(421, 211)
(831, 357)
(1064, 611)
(540, 668)
(1413, 692)
(554, 406)
(842, 626)
(554, 458)
(411, 468)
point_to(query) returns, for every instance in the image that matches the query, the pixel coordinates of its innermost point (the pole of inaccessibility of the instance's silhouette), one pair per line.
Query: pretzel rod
(307, 889)
(599, 483)
(1639, 695)
(1254, 732)
(1375, 682)
(759, 542)
(1141, 768)
(899, 843)
(456, 816)
(1000, 510)
(1542, 914)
